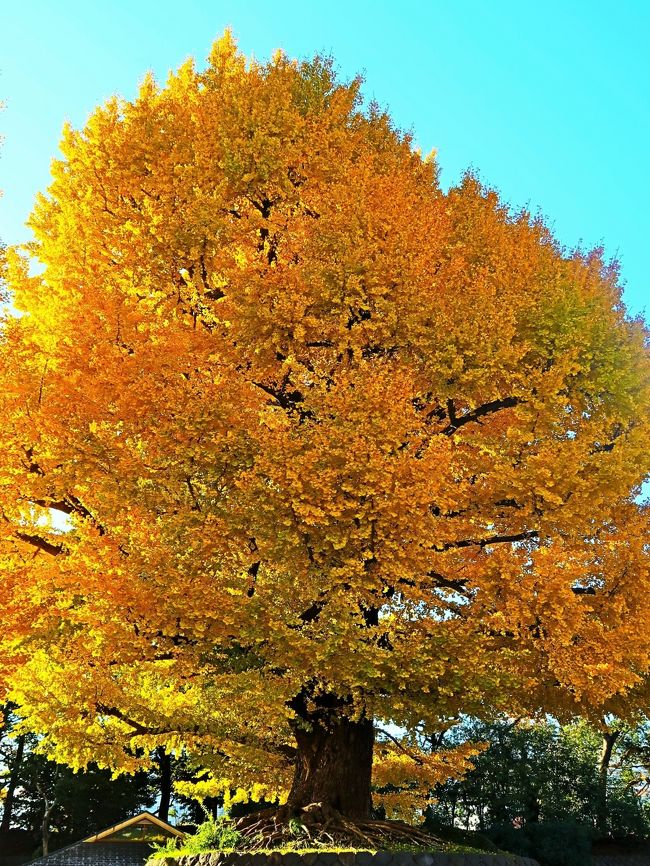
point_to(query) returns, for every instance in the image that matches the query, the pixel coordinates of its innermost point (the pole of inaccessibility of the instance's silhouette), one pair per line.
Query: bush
(551, 843)
(213, 835)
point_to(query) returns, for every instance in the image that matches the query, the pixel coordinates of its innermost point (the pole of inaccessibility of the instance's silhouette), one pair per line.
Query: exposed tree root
(319, 825)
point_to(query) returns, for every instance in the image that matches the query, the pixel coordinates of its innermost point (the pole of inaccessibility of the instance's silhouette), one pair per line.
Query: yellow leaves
(148, 88)
(224, 57)
(231, 794)
(405, 775)
(315, 421)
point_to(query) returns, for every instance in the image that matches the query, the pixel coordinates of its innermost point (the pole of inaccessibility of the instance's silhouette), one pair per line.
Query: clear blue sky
(550, 101)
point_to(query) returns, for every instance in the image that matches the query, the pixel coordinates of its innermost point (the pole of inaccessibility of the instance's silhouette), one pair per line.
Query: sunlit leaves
(311, 420)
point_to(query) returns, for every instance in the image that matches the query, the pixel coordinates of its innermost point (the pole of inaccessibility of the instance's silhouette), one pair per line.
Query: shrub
(215, 834)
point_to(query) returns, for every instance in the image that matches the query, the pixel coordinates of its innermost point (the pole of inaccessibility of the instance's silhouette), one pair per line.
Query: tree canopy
(543, 772)
(331, 445)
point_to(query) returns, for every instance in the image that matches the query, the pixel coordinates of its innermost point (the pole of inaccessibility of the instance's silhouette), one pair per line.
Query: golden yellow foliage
(404, 777)
(317, 429)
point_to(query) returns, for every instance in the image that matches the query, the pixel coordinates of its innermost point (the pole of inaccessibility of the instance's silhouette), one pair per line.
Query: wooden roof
(108, 849)
(142, 819)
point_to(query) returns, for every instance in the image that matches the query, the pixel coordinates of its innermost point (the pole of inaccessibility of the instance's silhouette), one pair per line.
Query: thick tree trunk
(334, 758)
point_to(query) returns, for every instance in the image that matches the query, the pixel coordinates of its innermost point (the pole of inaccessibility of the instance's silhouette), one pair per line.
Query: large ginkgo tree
(295, 444)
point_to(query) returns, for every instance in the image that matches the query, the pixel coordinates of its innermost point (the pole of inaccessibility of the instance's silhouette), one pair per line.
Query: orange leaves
(311, 421)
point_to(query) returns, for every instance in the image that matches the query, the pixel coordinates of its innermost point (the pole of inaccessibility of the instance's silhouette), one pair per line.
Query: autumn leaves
(270, 368)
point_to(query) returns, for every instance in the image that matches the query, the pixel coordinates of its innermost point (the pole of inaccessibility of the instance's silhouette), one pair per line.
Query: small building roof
(98, 854)
(123, 844)
(144, 821)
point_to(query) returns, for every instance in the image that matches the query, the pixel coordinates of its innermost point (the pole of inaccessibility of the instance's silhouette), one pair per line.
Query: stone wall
(360, 858)
(620, 860)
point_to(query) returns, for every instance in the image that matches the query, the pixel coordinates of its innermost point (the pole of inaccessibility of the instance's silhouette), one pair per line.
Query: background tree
(60, 806)
(11, 759)
(331, 446)
(47, 805)
(535, 772)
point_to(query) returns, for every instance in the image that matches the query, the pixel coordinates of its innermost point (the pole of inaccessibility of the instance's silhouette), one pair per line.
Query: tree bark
(45, 825)
(8, 804)
(334, 756)
(609, 741)
(164, 761)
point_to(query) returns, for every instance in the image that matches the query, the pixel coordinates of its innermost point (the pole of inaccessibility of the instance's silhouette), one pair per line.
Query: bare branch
(443, 582)
(491, 539)
(68, 505)
(457, 421)
(416, 758)
(41, 543)
(288, 400)
(137, 727)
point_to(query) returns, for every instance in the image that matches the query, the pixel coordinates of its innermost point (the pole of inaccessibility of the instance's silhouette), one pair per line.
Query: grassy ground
(466, 845)
(220, 837)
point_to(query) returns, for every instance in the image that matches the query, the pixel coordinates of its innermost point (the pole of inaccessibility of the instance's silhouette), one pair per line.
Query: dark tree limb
(443, 582)
(68, 505)
(416, 758)
(141, 729)
(290, 401)
(41, 543)
(491, 539)
(457, 421)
